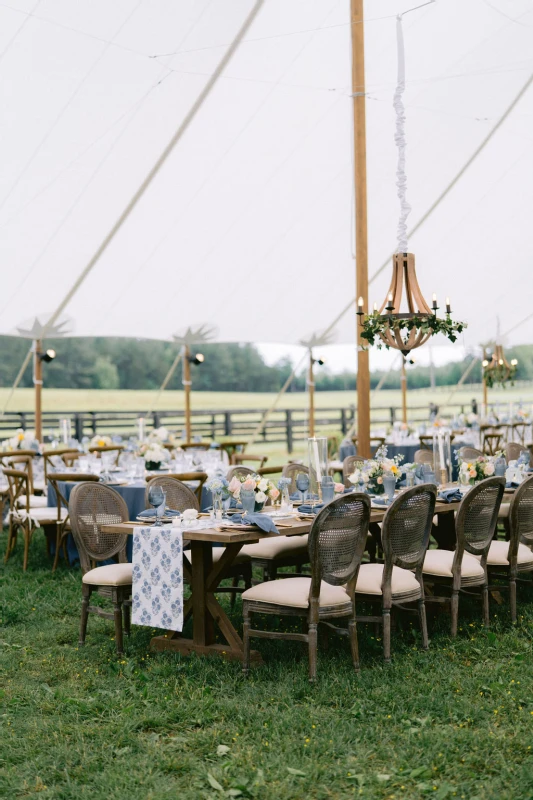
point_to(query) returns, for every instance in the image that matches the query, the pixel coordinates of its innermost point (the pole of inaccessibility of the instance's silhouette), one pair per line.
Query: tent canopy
(249, 226)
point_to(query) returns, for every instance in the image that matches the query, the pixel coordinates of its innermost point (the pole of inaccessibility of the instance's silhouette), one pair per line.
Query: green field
(123, 400)
(454, 722)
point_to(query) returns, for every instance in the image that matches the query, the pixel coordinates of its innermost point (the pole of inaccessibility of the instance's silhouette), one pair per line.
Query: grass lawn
(456, 721)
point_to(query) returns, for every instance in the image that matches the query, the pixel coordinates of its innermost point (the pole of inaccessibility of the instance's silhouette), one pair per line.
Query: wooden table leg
(444, 532)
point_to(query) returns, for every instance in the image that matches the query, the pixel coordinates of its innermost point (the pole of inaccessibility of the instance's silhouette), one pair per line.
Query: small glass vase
(247, 498)
(217, 505)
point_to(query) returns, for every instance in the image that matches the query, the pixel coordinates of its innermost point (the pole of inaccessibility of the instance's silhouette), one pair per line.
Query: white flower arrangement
(372, 471)
(478, 469)
(154, 454)
(101, 441)
(161, 435)
(262, 487)
(22, 440)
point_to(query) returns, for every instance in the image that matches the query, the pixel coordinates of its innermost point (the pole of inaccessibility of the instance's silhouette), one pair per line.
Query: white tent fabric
(249, 227)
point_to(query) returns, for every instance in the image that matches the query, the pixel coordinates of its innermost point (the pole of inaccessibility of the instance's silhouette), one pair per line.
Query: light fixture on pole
(314, 341)
(36, 329)
(404, 326)
(196, 335)
(498, 369)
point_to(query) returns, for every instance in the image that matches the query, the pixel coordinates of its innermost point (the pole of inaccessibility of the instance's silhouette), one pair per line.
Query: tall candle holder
(317, 448)
(442, 455)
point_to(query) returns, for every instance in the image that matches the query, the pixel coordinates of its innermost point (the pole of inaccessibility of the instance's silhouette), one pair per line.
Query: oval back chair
(291, 471)
(92, 505)
(349, 465)
(179, 496)
(424, 457)
(239, 472)
(513, 450)
(469, 453)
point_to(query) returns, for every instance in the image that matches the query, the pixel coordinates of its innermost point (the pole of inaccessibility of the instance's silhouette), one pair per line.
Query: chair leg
(512, 598)
(313, 637)
(234, 583)
(127, 619)
(117, 606)
(10, 542)
(86, 590)
(386, 635)
(246, 638)
(27, 537)
(423, 623)
(354, 645)
(455, 611)
(485, 600)
(58, 548)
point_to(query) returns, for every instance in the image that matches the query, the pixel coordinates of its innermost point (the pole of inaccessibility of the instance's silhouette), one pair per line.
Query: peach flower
(274, 494)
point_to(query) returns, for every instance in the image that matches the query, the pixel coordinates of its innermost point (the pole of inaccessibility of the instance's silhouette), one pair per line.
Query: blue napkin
(296, 496)
(307, 509)
(511, 485)
(379, 500)
(151, 512)
(450, 496)
(263, 521)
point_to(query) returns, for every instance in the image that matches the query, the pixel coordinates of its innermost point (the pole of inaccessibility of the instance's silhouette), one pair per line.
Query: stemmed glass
(302, 483)
(156, 498)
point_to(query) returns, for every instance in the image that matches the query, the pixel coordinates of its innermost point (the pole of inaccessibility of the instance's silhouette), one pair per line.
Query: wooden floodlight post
(38, 383)
(311, 385)
(187, 389)
(404, 393)
(361, 234)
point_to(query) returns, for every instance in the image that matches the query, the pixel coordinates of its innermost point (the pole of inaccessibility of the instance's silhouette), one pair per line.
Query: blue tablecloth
(346, 449)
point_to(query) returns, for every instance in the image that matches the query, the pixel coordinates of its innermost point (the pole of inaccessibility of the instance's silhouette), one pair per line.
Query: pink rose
(489, 469)
(339, 487)
(249, 483)
(234, 485)
(380, 479)
(274, 493)
(473, 472)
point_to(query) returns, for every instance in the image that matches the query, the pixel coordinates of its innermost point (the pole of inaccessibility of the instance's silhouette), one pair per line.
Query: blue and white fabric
(157, 595)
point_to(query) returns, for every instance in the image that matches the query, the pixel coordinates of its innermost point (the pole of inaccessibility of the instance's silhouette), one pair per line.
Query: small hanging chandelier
(498, 369)
(388, 326)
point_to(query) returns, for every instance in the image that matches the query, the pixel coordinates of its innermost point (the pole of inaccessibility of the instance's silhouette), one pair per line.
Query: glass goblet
(302, 483)
(156, 498)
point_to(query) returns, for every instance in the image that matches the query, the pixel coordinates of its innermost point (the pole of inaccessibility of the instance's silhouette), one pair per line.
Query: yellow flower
(20, 437)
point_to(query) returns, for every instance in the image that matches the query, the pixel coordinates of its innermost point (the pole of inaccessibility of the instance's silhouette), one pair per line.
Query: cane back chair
(424, 457)
(513, 451)
(464, 568)
(469, 453)
(239, 472)
(93, 505)
(405, 536)
(63, 525)
(24, 517)
(349, 465)
(507, 559)
(336, 543)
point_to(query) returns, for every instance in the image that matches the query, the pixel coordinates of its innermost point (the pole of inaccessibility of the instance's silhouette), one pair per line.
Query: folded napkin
(307, 509)
(151, 512)
(450, 496)
(511, 484)
(263, 521)
(379, 500)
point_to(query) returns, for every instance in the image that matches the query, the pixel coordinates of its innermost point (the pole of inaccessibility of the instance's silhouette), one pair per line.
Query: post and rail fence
(288, 426)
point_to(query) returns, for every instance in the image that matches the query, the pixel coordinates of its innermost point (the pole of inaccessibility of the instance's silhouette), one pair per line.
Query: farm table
(203, 577)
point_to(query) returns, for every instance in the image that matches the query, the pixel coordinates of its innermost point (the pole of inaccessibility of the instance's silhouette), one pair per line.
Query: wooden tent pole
(404, 393)
(361, 233)
(311, 385)
(187, 390)
(38, 382)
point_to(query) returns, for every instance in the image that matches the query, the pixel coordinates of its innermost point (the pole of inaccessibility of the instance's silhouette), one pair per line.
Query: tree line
(113, 363)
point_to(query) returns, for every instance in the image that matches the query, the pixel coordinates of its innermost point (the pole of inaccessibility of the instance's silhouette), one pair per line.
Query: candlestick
(448, 306)
(434, 301)
(360, 305)
(140, 429)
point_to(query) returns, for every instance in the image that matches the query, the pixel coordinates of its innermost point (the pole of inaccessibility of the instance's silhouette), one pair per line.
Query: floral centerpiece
(263, 488)
(373, 470)
(154, 455)
(22, 440)
(477, 469)
(101, 441)
(161, 435)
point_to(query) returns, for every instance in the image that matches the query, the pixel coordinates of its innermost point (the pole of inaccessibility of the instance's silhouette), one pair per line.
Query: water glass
(409, 479)
(247, 497)
(328, 488)
(389, 484)
(157, 498)
(302, 483)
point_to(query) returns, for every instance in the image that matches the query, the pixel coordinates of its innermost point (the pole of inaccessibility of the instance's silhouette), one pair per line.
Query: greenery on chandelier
(376, 325)
(499, 374)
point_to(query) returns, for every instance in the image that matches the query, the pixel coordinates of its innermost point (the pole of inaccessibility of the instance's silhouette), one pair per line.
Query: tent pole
(404, 393)
(38, 382)
(361, 233)
(311, 385)
(187, 390)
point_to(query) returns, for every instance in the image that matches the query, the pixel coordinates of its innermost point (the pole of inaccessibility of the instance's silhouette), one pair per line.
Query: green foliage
(80, 723)
(501, 375)
(375, 325)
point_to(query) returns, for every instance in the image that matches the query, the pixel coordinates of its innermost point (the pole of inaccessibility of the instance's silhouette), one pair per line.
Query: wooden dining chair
(63, 527)
(93, 505)
(67, 456)
(513, 450)
(107, 448)
(404, 538)
(507, 559)
(349, 465)
(270, 471)
(25, 462)
(492, 442)
(426, 442)
(238, 458)
(518, 430)
(464, 568)
(232, 446)
(424, 457)
(291, 471)
(24, 517)
(336, 543)
(192, 445)
(469, 453)
(239, 472)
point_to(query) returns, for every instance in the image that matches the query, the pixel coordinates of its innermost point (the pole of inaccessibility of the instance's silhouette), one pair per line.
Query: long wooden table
(203, 577)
